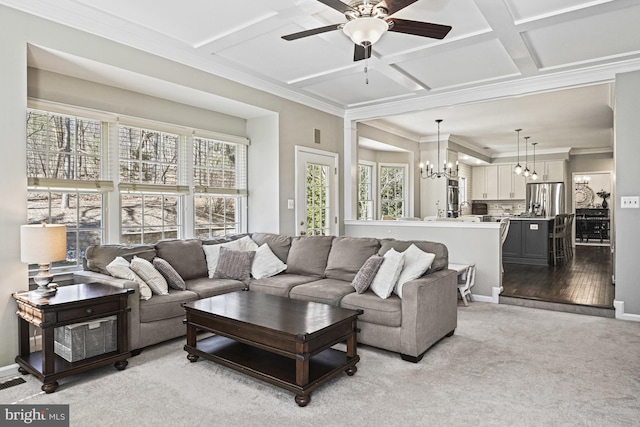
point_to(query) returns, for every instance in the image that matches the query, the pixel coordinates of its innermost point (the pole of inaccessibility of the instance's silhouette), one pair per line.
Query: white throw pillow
(149, 274)
(247, 244)
(416, 262)
(388, 274)
(212, 252)
(121, 269)
(266, 264)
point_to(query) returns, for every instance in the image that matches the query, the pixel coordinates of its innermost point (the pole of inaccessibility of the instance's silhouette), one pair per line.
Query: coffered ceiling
(498, 51)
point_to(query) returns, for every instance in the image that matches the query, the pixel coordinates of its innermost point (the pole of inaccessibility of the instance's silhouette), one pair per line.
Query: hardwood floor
(584, 280)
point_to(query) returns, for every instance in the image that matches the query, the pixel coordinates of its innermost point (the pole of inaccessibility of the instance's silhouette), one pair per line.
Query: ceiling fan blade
(394, 6)
(311, 32)
(361, 52)
(338, 5)
(424, 29)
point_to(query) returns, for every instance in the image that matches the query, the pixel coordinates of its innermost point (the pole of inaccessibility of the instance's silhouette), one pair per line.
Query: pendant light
(526, 171)
(518, 169)
(534, 175)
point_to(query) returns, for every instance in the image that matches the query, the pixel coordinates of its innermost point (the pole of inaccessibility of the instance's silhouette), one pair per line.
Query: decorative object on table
(426, 171)
(604, 195)
(42, 244)
(584, 196)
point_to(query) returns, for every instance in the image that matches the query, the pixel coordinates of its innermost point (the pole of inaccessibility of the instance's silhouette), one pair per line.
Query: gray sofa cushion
(439, 249)
(206, 287)
(165, 306)
(185, 256)
(99, 256)
(278, 244)
(308, 255)
(327, 291)
(280, 284)
(347, 255)
(380, 311)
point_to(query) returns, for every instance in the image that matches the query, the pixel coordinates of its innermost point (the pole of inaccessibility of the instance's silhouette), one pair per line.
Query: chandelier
(426, 171)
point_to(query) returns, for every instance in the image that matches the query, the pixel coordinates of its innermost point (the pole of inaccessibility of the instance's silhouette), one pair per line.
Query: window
(150, 198)
(392, 190)
(64, 170)
(220, 179)
(155, 165)
(366, 190)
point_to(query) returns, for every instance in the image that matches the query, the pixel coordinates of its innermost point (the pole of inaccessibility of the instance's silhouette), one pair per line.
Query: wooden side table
(70, 304)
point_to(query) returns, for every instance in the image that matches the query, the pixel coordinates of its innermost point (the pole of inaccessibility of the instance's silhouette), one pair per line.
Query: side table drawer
(80, 313)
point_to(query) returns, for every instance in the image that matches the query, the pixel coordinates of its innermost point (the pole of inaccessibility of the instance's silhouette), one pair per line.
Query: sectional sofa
(318, 268)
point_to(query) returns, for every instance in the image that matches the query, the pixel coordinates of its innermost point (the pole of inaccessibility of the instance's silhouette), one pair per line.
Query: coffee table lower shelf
(273, 368)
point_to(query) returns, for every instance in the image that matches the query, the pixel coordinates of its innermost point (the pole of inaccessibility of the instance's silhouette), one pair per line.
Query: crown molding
(584, 151)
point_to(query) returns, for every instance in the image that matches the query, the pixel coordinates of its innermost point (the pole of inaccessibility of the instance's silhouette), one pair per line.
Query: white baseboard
(621, 315)
(9, 370)
(494, 298)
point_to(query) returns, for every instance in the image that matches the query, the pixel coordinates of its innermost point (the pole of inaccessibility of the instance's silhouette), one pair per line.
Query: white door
(316, 192)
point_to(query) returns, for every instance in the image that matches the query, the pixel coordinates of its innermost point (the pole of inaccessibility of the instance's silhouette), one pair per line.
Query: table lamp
(42, 244)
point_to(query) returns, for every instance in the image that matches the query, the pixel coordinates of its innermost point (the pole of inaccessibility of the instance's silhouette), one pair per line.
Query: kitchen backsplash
(502, 207)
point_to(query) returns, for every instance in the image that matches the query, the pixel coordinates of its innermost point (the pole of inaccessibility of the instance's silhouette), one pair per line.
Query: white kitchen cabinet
(549, 171)
(484, 183)
(511, 186)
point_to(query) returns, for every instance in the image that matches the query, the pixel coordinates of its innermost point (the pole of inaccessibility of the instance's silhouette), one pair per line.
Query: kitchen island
(467, 242)
(528, 241)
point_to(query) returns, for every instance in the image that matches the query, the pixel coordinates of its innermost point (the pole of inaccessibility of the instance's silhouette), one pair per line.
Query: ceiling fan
(368, 20)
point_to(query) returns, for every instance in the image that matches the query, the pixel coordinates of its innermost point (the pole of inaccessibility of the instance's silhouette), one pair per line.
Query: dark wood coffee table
(282, 341)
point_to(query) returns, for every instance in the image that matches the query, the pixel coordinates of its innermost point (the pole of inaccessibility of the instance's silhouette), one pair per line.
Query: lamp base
(44, 291)
(43, 279)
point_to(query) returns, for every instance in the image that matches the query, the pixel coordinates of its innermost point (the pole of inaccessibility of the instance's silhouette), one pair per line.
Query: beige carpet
(505, 366)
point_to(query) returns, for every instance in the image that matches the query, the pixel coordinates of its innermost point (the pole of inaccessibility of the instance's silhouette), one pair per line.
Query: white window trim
(374, 186)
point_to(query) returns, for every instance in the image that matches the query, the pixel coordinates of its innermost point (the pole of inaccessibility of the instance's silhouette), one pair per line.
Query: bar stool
(568, 243)
(558, 236)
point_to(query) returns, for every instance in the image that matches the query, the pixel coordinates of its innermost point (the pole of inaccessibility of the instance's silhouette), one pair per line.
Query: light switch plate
(630, 202)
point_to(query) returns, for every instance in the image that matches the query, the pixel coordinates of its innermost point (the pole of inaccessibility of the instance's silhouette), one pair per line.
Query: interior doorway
(592, 195)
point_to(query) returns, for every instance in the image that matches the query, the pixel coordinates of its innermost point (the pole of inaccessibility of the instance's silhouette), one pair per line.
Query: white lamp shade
(365, 31)
(43, 243)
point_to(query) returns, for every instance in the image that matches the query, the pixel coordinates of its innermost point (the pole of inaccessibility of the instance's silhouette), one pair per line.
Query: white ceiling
(498, 51)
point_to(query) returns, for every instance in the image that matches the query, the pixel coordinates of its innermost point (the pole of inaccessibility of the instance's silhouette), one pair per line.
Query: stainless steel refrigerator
(545, 198)
(453, 194)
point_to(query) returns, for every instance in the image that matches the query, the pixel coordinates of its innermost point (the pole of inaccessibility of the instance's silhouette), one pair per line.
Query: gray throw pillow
(234, 265)
(174, 280)
(367, 272)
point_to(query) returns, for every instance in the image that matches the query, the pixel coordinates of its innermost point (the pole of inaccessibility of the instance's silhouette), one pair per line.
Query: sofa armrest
(429, 311)
(133, 300)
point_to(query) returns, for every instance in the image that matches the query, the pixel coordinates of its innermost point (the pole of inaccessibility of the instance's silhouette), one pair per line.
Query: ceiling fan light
(365, 31)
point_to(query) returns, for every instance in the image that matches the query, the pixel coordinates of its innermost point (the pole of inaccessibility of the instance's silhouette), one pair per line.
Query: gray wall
(627, 172)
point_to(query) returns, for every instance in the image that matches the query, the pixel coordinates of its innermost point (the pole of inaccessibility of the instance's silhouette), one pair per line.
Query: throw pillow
(246, 244)
(170, 274)
(416, 262)
(388, 274)
(150, 275)
(367, 272)
(266, 264)
(121, 269)
(212, 254)
(234, 265)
